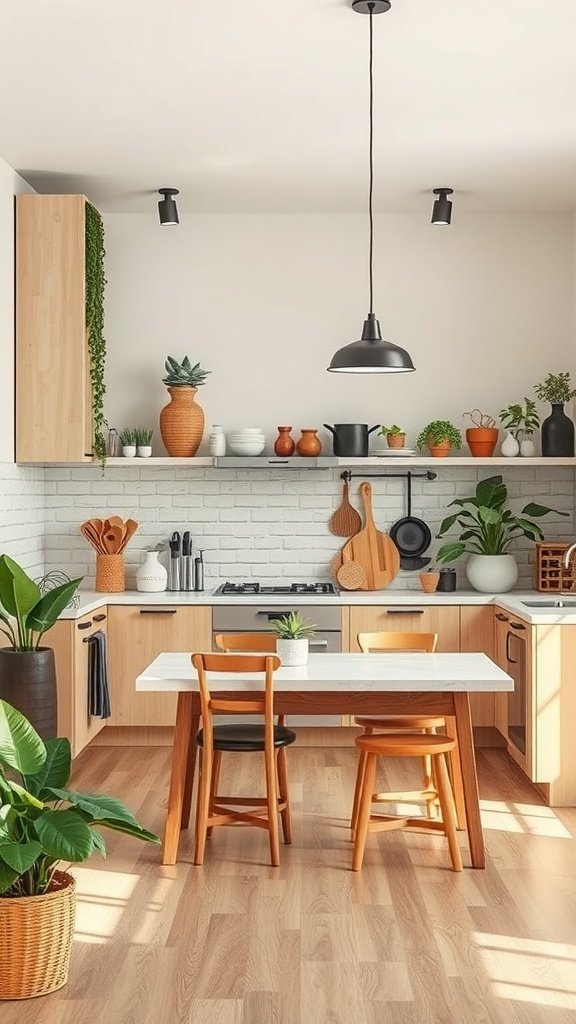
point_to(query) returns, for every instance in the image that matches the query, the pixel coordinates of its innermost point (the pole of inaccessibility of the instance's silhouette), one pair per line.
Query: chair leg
(204, 785)
(214, 784)
(428, 780)
(272, 799)
(360, 771)
(283, 794)
(447, 806)
(363, 822)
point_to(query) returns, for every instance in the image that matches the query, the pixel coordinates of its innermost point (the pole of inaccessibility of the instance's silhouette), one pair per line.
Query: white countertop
(511, 602)
(395, 673)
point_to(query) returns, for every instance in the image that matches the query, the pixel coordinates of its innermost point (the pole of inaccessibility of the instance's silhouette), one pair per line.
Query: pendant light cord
(371, 162)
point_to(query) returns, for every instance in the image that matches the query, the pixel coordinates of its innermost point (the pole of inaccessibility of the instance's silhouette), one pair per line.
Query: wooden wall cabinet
(53, 388)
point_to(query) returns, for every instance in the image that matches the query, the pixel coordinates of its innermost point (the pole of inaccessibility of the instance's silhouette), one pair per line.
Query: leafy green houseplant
(293, 633)
(95, 286)
(27, 671)
(395, 435)
(487, 531)
(43, 822)
(520, 418)
(558, 428)
(439, 437)
(182, 420)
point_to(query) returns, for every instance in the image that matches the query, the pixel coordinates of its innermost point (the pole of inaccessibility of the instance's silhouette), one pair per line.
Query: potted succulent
(519, 419)
(143, 442)
(128, 442)
(27, 669)
(182, 421)
(487, 532)
(439, 437)
(482, 436)
(557, 429)
(43, 823)
(293, 632)
(395, 436)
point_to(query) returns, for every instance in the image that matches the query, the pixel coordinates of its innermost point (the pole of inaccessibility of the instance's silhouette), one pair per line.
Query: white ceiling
(261, 105)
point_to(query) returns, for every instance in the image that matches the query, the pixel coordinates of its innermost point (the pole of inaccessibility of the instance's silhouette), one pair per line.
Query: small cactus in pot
(182, 421)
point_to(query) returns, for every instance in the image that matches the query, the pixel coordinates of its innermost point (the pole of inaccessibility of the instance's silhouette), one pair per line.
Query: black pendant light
(371, 354)
(167, 209)
(442, 209)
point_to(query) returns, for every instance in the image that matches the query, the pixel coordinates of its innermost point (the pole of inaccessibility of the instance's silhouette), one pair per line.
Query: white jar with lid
(217, 440)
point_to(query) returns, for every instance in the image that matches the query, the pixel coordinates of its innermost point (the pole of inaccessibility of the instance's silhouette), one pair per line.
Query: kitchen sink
(558, 603)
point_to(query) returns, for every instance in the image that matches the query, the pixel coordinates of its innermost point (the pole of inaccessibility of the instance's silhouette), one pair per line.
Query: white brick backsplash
(22, 516)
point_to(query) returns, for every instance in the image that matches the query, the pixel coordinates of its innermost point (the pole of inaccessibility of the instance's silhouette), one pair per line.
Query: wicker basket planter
(35, 940)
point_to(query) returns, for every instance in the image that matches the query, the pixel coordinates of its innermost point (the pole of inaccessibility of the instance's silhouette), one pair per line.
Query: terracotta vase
(482, 441)
(284, 445)
(440, 451)
(182, 423)
(309, 444)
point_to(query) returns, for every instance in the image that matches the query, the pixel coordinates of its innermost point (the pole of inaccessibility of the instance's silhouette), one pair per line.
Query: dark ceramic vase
(558, 434)
(28, 682)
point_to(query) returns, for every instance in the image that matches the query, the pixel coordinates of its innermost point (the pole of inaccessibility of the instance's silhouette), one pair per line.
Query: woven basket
(110, 577)
(35, 940)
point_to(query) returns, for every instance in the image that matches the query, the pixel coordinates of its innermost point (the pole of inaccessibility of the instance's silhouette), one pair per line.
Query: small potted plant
(439, 437)
(519, 419)
(557, 429)
(395, 436)
(429, 580)
(482, 436)
(143, 442)
(293, 632)
(128, 442)
(182, 420)
(43, 822)
(487, 532)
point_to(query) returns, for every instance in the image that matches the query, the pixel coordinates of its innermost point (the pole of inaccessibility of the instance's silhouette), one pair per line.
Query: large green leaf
(450, 552)
(532, 509)
(131, 830)
(491, 492)
(490, 516)
(23, 798)
(18, 593)
(45, 612)
(20, 856)
(531, 530)
(20, 745)
(447, 523)
(99, 841)
(64, 835)
(97, 805)
(55, 771)
(7, 876)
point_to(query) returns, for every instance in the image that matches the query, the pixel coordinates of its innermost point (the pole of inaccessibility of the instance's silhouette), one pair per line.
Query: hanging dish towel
(98, 693)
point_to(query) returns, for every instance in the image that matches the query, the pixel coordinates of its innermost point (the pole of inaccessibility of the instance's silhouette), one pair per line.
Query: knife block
(110, 577)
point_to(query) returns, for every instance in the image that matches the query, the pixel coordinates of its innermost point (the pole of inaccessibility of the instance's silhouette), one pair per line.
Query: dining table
(336, 684)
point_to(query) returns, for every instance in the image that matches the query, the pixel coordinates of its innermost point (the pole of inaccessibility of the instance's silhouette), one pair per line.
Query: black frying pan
(411, 535)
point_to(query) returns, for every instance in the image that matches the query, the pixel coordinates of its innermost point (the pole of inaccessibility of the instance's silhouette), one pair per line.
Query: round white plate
(394, 452)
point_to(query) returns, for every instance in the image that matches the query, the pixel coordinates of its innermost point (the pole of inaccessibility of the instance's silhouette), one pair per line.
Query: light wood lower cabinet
(68, 640)
(137, 635)
(477, 634)
(441, 619)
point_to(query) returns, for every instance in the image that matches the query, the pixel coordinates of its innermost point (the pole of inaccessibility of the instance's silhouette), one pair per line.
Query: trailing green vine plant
(95, 283)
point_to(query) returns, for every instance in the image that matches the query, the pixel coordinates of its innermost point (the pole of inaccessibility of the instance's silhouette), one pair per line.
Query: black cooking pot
(350, 440)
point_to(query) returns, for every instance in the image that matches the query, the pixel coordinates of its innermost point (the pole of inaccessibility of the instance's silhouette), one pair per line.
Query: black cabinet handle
(501, 618)
(271, 615)
(99, 618)
(158, 611)
(404, 611)
(84, 625)
(517, 625)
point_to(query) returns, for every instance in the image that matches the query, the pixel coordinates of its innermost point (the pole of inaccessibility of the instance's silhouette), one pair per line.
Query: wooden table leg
(182, 736)
(190, 769)
(469, 779)
(456, 776)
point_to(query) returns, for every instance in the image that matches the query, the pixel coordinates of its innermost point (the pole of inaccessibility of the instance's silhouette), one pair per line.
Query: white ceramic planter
(527, 448)
(144, 451)
(129, 451)
(151, 576)
(492, 574)
(292, 652)
(509, 449)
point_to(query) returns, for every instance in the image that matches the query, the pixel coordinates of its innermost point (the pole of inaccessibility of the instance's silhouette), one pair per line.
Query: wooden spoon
(112, 540)
(93, 538)
(130, 527)
(345, 521)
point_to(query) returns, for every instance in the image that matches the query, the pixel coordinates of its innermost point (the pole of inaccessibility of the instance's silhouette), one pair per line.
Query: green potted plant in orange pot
(439, 437)
(482, 436)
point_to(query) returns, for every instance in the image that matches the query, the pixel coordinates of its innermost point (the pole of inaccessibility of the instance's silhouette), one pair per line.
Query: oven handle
(271, 615)
(509, 658)
(318, 643)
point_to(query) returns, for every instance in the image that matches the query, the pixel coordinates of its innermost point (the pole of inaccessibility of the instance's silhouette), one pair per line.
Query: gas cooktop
(253, 589)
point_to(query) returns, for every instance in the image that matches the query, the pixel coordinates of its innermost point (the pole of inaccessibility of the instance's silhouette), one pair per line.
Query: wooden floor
(406, 941)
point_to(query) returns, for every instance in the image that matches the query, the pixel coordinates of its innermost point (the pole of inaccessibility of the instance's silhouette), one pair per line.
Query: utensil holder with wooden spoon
(110, 576)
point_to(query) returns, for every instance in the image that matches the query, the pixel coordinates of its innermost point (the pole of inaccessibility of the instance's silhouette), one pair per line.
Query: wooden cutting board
(372, 549)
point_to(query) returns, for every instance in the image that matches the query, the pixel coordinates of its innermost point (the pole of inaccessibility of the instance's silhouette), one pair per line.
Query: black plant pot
(558, 434)
(28, 682)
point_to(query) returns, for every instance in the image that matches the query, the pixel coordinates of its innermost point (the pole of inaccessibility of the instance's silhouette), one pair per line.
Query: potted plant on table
(395, 436)
(182, 421)
(27, 670)
(557, 429)
(43, 823)
(293, 633)
(482, 437)
(439, 437)
(487, 532)
(519, 419)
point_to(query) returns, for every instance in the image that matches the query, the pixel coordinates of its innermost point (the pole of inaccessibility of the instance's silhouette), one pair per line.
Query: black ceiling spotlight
(442, 209)
(371, 354)
(167, 209)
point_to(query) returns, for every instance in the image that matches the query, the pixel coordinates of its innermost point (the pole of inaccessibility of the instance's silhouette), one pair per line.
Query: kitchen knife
(174, 575)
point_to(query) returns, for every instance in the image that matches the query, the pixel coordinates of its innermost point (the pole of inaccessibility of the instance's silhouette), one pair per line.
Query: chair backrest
(229, 701)
(389, 641)
(245, 642)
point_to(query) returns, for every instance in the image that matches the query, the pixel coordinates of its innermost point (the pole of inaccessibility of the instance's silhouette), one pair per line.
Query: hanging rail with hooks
(348, 475)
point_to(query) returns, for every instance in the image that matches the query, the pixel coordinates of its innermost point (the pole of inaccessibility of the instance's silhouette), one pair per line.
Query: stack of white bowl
(246, 441)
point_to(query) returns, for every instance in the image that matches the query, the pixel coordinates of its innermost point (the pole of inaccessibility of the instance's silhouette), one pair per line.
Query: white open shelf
(321, 462)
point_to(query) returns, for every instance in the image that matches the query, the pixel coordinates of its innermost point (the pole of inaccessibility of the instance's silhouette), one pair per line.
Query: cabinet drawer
(444, 620)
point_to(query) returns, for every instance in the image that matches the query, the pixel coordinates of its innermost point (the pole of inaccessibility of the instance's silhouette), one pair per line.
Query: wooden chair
(212, 809)
(395, 642)
(230, 642)
(405, 745)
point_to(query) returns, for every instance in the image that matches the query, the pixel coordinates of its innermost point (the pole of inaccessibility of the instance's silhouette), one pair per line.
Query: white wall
(485, 308)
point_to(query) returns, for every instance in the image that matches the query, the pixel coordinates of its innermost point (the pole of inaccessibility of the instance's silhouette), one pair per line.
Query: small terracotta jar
(284, 445)
(309, 443)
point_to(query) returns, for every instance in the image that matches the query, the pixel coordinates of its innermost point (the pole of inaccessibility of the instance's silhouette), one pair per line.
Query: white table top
(392, 673)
